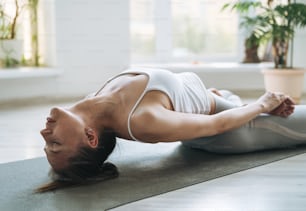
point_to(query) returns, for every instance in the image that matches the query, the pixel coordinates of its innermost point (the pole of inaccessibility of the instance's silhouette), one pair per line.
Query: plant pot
(288, 81)
(10, 51)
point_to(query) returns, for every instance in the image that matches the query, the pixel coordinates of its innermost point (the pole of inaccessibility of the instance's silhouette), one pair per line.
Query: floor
(277, 186)
(19, 130)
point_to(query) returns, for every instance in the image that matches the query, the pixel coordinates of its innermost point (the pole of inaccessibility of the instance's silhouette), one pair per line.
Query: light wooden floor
(19, 131)
(277, 186)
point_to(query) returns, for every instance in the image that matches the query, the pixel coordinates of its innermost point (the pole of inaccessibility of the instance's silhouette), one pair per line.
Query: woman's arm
(157, 124)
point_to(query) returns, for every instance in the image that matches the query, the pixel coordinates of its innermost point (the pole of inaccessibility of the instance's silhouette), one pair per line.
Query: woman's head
(87, 162)
(64, 134)
(75, 151)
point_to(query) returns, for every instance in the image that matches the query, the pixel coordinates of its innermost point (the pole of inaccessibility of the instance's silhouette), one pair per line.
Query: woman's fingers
(277, 103)
(289, 100)
(284, 109)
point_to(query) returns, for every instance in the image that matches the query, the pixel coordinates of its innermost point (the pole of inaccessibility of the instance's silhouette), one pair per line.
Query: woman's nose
(45, 131)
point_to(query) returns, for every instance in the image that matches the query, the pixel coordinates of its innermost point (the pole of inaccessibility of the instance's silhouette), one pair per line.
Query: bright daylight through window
(179, 30)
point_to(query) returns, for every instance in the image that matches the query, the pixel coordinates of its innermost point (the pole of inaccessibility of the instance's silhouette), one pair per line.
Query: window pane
(201, 29)
(142, 28)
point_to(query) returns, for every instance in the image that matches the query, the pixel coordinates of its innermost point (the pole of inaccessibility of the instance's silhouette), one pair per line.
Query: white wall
(92, 42)
(299, 59)
(86, 42)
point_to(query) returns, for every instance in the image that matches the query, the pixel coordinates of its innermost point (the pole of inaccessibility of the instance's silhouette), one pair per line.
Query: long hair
(87, 166)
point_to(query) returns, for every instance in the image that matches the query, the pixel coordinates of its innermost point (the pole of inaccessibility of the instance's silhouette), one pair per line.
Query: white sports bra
(185, 90)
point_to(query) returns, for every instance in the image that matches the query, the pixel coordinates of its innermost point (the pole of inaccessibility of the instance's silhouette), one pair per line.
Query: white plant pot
(288, 81)
(12, 48)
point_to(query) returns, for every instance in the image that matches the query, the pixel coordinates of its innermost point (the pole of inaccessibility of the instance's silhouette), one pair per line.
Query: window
(34, 29)
(142, 28)
(180, 30)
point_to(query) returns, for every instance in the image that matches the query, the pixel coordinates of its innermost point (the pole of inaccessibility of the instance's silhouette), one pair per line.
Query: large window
(180, 30)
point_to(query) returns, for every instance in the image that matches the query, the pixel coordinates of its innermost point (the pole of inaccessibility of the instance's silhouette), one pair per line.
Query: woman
(148, 105)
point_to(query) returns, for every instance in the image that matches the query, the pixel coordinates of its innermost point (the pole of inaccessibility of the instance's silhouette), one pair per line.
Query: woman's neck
(96, 111)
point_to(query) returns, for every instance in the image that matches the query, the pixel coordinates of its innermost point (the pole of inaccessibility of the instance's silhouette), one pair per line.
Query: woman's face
(64, 134)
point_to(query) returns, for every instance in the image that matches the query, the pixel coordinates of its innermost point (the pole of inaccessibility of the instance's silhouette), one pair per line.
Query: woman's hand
(276, 103)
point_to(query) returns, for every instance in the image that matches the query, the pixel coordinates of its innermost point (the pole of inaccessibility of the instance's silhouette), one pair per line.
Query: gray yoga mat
(145, 170)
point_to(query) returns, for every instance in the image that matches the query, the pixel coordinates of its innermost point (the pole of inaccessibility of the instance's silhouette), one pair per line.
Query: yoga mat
(145, 170)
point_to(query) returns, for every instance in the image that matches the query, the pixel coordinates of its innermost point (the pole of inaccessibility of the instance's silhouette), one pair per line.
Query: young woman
(155, 105)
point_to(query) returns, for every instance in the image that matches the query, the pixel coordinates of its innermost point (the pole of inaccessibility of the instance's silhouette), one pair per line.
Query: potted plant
(276, 22)
(10, 47)
(252, 40)
(251, 46)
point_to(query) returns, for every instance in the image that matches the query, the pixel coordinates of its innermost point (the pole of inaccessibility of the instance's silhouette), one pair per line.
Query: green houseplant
(252, 40)
(276, 22)
(10, 47)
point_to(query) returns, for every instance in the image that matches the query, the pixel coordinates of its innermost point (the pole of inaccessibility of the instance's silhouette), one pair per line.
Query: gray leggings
(263, 132)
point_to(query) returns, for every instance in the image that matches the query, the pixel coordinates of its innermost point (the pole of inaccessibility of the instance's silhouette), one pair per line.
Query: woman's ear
(92, 137)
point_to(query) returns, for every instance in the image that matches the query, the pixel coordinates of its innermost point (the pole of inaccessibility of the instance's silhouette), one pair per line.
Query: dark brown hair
(88, 166)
